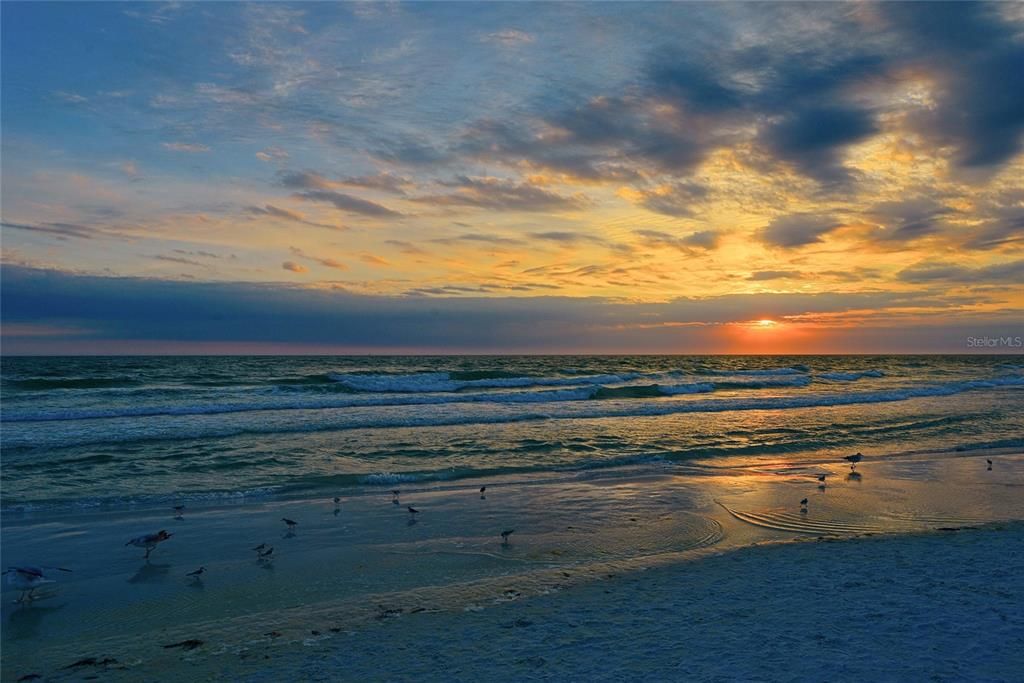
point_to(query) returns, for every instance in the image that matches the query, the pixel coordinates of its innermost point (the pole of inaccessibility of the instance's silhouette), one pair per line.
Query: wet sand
(693, 556)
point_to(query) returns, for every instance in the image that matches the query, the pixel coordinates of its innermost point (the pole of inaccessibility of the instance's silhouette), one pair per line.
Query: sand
(655, 573)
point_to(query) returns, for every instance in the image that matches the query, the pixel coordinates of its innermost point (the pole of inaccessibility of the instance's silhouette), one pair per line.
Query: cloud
(813, 138)
(181, 314)
(347, 202)
(909, 219)
(294, 267)
(500, 194)
(70, 97)
(1011, 273)
(286, 214)
(405, 247)
(509, 37)
(797, 230)
(676, 199)
(373, 260)
(976, 57)
(479, 237)
(187, 147)
(323, 261)
(60, 230)
(762, 275)
(704, 239)
(272, 154)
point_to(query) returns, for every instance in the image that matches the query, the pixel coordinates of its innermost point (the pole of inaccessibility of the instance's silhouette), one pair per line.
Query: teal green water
(110, 431)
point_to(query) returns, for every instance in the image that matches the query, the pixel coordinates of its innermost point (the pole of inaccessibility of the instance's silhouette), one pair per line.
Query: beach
(910, 570)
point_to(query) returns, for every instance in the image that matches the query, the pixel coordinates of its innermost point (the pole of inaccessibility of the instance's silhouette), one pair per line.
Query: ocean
(116, 431)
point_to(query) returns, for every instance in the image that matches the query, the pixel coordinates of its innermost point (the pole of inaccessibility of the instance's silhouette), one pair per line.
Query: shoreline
(371, 563)
(636, 465)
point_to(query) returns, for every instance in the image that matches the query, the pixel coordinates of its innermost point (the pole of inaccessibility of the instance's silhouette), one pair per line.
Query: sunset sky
(431, 177)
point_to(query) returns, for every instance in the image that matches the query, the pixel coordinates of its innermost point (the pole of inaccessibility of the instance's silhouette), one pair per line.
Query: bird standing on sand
(260, 547)
(264, 555)
(290, 523)
(394, 496)
(989, 464)
(504, 536)
(821, 479)
(482, 489)
(853, 460)
(412, 511)
(28, 578)
(803, 506)
(149, 541)
(197, 573)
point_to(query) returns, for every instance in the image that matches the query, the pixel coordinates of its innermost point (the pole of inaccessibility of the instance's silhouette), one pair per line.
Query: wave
(495, 413)
(850, 376)
(788, 370)
(435, 382)
(38, 384)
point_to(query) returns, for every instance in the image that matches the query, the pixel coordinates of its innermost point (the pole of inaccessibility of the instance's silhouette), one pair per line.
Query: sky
(511, 177)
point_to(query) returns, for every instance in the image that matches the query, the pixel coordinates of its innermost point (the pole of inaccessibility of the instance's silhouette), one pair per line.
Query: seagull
(504, 536)
(265, 554)
(178, 509)
(803, 506)
(197, 573)
(260, 547)
(337, 500)
(412, 511)
(804, 502)
(290, 522)
(821, 477)
(394, 496)
(28, 578)
(482, 489)
(989, 463)
(149, 541)
(853, 460)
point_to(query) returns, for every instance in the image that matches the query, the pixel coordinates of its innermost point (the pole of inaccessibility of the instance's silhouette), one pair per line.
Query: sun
(766, 323)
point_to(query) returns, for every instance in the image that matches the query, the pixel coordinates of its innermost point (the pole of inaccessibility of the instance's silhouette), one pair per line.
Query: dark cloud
(137, 310)
(704, 239)
(813, 139)
(322, 260)
(677, 200)
(978, 59)
(59, 230)
(910, 219)
(294, 267)
(278, 212)
(311, 180)
(500, 194)
(762, 275)
(1011, 273)
(797, 230)
(347, 202)
(410, 152)
(479, 237)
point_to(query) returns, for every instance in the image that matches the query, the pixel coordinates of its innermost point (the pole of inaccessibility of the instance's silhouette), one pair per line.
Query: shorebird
(821, 477)
(178, 509)
(803, 506)
(989, 463)
(337, 501)
(291, 523)
(260, 547)
(482, 489)
(394, 496)
(197, 573)
(149, 541)
(412, 511)
(28, 578)
(804, 502)
(265, 554)
(853, 460)
(504, 536)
